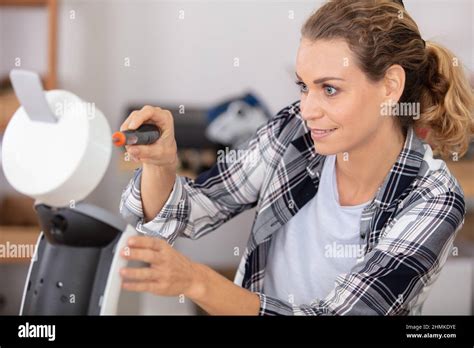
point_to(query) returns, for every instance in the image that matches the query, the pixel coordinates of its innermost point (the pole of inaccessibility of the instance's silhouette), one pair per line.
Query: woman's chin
(324, 150)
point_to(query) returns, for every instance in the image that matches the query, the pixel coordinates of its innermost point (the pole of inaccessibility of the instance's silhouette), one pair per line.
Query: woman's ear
(394, 83)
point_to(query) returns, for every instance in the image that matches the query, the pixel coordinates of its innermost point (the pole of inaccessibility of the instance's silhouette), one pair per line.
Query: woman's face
(342, 98)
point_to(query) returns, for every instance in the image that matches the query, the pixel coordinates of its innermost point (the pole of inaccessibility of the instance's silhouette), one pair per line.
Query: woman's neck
(361, 171)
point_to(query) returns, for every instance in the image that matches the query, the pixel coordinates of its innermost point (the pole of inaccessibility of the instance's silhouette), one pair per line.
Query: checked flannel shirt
(408, 227)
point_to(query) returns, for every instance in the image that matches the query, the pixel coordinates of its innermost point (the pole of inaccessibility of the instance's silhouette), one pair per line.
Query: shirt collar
(403, 172)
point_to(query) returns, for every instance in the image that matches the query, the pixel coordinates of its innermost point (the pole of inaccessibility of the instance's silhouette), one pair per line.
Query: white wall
(453, 291)
(25, 41)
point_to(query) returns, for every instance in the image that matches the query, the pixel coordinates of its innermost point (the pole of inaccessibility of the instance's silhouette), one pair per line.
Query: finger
(138, 286)
(145, 255)
(140, 151)
(146, 113)
(149, 114)
(127, 121)
(142, 273)
(163, 119)
(147, 242)
(131, 157)
(158, 152)
(136, 156)
(133, 151)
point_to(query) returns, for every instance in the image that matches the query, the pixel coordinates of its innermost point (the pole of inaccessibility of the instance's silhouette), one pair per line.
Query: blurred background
(204, 61)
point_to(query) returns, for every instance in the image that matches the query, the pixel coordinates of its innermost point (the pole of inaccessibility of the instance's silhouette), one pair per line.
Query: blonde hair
(381, 33)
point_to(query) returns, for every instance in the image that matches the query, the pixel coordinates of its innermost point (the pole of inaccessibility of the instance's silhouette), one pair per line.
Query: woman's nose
(310, 111)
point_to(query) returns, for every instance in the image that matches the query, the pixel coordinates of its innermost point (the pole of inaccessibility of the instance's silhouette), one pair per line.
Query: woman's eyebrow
(321, 80)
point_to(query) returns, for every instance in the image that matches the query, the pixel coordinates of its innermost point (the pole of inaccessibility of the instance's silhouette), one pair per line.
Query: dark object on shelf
(235, 121)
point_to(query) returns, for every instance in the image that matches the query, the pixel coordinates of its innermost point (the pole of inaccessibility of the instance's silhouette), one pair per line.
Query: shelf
(52, 8)
(23, 2)
(8, 105)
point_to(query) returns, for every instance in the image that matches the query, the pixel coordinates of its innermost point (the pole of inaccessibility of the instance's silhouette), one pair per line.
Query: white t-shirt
(319, 243)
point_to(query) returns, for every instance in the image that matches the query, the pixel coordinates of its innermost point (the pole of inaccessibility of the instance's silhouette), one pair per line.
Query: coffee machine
(56, 149)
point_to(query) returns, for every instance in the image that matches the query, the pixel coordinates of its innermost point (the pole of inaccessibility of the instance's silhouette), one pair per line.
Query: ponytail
(446, 103)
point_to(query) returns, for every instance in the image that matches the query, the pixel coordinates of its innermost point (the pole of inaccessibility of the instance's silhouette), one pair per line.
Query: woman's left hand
(170, 273)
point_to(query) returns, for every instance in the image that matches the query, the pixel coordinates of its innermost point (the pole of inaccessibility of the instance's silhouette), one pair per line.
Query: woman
(354, 215)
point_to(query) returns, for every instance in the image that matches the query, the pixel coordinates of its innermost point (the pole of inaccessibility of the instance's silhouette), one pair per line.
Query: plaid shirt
(408, 227)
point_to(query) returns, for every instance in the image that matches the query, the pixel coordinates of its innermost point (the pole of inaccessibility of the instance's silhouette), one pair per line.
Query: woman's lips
(319, 133)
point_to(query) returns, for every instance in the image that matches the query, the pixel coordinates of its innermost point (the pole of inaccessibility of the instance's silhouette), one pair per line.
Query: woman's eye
(330, 90)
(302, 86)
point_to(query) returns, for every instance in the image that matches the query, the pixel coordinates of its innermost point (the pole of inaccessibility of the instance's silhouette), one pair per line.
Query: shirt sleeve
(197, 207)
(386, 281)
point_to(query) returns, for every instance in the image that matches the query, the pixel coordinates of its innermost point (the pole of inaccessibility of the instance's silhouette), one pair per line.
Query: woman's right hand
(162, 153)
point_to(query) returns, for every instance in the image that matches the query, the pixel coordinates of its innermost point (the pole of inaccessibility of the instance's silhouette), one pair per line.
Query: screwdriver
(146, 134)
